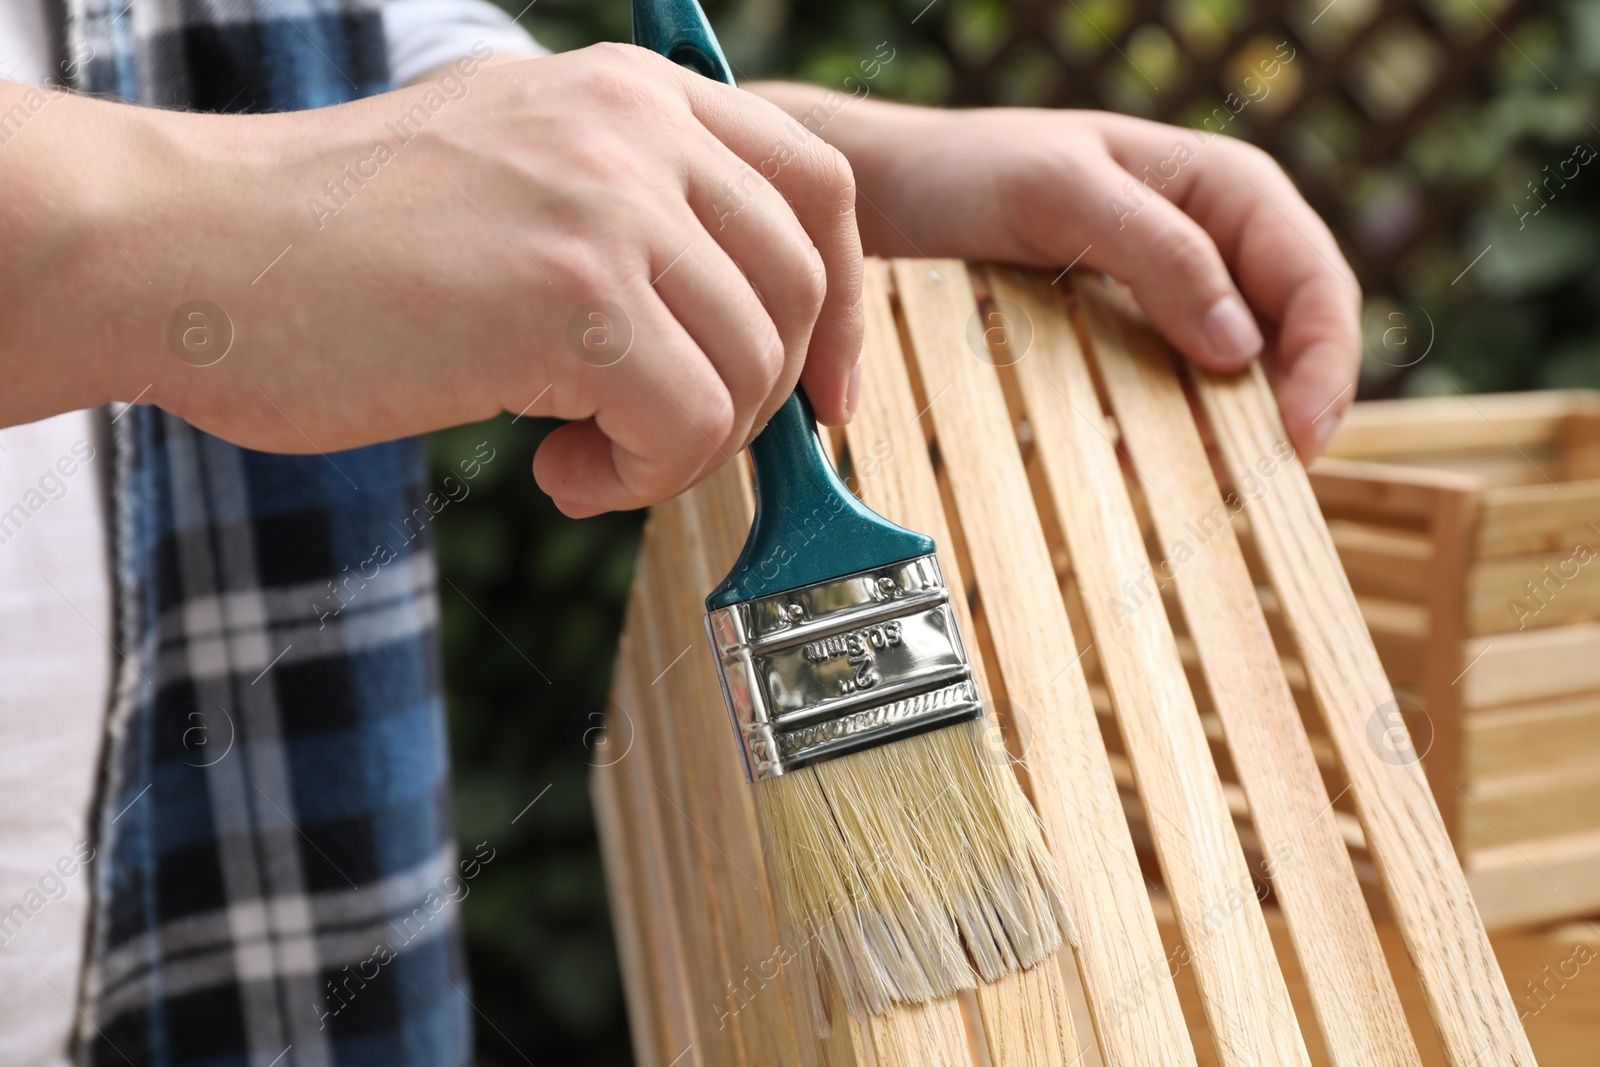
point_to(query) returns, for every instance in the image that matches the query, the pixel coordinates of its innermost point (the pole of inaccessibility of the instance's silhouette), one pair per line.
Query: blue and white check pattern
(274, 806)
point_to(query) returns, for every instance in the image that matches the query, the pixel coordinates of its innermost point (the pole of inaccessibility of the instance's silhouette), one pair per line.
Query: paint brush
(900, 841)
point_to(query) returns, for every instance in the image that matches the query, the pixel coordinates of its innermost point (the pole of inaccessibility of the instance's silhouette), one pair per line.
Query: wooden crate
(1222, 719)
(1470, 530)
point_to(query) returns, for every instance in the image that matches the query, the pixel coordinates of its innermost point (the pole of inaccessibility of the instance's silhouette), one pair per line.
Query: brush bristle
(913, 868)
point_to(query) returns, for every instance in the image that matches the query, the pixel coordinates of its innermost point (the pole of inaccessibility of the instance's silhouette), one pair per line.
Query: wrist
(85, 248)
(881, 139)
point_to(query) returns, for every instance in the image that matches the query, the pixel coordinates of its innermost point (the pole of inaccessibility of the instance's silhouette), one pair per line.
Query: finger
(1314, 298)
(1166, 258)
(1285, 259)
(759, 232)
(1318, 359)
(660, 412)
(816, 181)
(755, 350)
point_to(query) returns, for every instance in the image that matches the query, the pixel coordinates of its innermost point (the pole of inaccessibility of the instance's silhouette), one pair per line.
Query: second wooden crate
(1470, 529)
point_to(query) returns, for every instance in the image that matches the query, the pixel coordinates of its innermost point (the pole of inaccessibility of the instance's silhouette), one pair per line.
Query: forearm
(120, 220)
(77, 177)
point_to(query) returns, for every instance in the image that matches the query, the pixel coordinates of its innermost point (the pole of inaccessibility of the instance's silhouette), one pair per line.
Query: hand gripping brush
(901, 842)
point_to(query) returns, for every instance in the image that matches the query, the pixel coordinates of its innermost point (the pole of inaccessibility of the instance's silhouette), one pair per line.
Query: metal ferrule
(842, 665)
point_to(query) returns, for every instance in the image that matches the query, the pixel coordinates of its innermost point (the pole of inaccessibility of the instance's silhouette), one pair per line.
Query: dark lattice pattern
(1367, 79)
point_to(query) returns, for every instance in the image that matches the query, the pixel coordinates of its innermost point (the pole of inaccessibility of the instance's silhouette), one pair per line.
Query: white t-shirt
(56, 656)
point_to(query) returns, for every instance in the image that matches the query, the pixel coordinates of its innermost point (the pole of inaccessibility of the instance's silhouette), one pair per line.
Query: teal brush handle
(678, 29)
(808, 527)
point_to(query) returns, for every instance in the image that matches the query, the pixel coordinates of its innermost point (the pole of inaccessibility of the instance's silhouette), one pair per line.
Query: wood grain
(1116, 942)
(1433, 426)
(1337, 947)
(1531, 665)
(1531, 881)
(1025, 1018)
(1539, 518)
(1205, 874)
(1213, 750)
(1426, 889)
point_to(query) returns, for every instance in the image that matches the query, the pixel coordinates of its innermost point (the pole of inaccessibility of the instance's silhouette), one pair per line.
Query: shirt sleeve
(423, 35)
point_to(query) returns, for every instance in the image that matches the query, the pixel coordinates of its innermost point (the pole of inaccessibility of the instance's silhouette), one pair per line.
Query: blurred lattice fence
(1342, 93)
(1424, 131)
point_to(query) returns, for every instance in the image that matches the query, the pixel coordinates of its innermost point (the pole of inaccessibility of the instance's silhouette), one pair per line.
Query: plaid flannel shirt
(274, 831)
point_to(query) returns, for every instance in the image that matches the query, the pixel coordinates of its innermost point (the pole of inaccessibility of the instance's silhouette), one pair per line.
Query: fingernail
(852, 391)
(1232, 331)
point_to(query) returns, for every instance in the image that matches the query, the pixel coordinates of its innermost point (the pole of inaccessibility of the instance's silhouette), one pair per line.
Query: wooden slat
(1115, 937)
(1025, 1018)
(1532, 665)
(1383, 563)
(1454, 518)
(1381, 493)
(638, 875)
(1551, 973)
(1519, 520)
(1543, 803)
(919, 1035)
(1535, 881)
(703, 798)
(1400, 632)
(1390, 429)
(647, 1020)
(1427, 892)
(932, 1031)
(660, 785)
(1507, 467)
(1579, 446)
(1514, 593)
(1203, 866)
(1531, 737)
(1337, 947)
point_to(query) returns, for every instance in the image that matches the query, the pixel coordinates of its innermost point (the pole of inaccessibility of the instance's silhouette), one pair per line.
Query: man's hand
(1204, 228)
(550, 237)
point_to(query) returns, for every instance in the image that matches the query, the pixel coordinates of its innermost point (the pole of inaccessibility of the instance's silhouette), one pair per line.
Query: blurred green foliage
(1524, 315)
(532, 602)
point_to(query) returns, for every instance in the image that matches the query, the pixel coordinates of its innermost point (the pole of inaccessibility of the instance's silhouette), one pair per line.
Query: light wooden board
(1519, 883)
(1548, 802)
(1426, 889)
(1515, 593)
(1384, 563)
(1116, 944)
(1454, 521)
(1531, 737)
(1381, 493)
(1356, 1002)
(1025, 1017)
(1531, 665)
(1390, 429)
(707, 807)
(1519, 520)
(641, 888)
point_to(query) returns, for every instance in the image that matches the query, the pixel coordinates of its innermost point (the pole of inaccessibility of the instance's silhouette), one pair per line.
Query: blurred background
(1448, 143)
